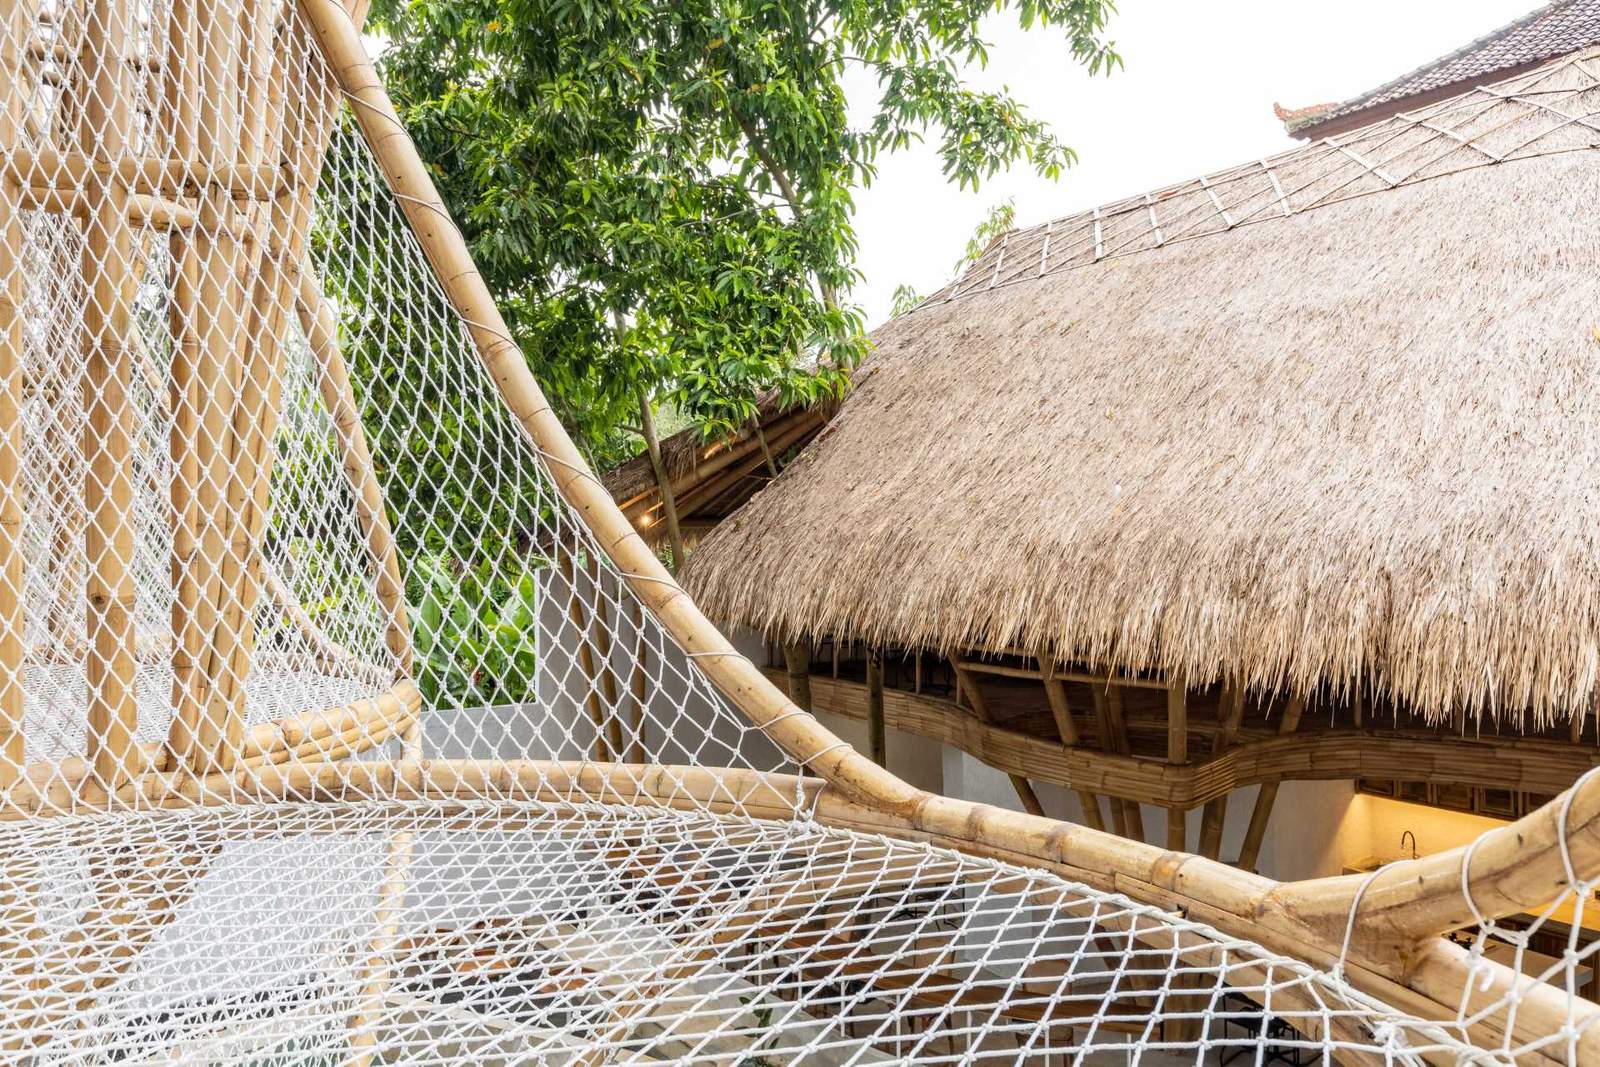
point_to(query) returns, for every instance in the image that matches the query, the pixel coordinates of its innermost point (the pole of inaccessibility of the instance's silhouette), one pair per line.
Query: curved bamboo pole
(1231, 899)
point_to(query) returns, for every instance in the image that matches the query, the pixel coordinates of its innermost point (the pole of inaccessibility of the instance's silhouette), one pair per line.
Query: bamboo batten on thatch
(1325, 418)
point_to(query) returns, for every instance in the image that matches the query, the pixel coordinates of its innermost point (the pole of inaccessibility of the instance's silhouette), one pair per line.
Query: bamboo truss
(239, 336)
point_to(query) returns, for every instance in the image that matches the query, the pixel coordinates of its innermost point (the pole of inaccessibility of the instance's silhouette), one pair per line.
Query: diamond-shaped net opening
(332, 729)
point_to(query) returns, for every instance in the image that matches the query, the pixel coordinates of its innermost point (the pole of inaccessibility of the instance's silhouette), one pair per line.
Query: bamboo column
(1250, 851)
(597, 713)
(638, 684)
(877, 743)
(797, 660)
(211, 83)
(1056, 692)
(1215, 818)
(1126, 815)
(108, 272)
(17, 27)
(601, 629)
(1177, 755)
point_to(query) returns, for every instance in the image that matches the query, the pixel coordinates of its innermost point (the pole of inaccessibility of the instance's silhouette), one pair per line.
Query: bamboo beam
(108, 273)
(1215, 818)
(877, 744)
(1109, 678)
(1056, 693)
(13, 347)
(321, 329)
(1250, 851)
(966, 683)
(68, 172)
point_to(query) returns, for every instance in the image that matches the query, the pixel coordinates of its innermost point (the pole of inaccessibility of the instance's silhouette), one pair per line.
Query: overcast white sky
(1196, 95)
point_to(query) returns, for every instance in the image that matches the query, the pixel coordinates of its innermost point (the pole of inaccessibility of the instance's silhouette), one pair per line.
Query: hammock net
(337, 724)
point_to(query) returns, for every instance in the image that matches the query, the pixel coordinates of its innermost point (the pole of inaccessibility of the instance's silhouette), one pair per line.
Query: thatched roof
(1331, 415)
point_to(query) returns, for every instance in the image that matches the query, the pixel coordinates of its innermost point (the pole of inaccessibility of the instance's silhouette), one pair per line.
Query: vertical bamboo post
(1215, 818)
(1250, 851)
(1056, 692)
(597, 714)
(320, 326)
(636, 751)
(797, 661)
(183, 448)
(108, 272)
(1125, 814)
(1177, 754)
(17, 28)
(967, 682)
(877, 742)
(601, 629)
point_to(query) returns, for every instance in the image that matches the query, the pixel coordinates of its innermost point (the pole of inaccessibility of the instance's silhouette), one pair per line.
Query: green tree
(659, 192)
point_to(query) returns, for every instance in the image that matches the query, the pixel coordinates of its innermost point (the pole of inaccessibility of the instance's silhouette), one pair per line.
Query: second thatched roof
(1325, 417)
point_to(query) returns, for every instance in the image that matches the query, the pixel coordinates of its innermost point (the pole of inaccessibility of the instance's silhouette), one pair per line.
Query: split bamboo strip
(1220, 894)
(108, 272)
(1061, 711)
(320, 326)
(13, 343)
(1250, 851)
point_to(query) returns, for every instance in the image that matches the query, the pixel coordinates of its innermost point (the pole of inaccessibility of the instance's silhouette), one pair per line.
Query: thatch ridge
(1360, 442)
(1547, 110)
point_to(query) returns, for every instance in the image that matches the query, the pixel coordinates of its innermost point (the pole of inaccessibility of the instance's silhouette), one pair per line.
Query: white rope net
(275, 550)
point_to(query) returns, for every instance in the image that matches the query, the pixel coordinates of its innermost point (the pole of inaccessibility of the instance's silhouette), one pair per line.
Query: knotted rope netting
(344, 720)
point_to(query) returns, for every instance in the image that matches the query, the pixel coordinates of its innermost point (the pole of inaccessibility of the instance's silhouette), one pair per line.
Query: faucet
(1413, 837)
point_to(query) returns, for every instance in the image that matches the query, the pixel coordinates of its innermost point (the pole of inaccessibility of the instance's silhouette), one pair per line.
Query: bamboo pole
(581, 635)
(1056, 692)
(1219, 894)
(184, 450)
(600, 627)
(1215, 818)
(1177, 755)
(13, 349)
(318, 322)
(797, 659)
(1250, 851)
(641, 649)
(877, 743)
(108, 272)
